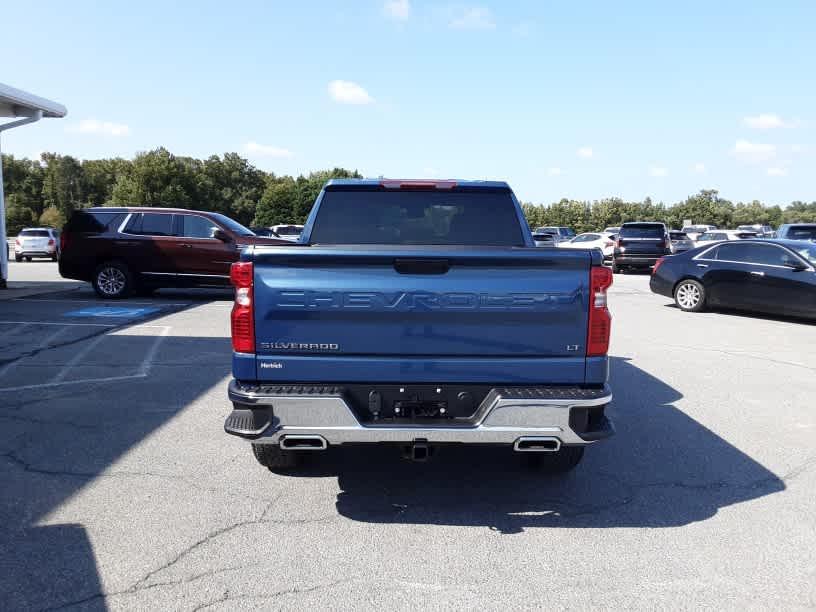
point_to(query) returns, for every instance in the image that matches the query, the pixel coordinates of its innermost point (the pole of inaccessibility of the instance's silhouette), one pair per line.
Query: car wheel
(274, 458)
(112, 280)
(18, 259)
(566, 459)
(615, 268)
(28, 259)
(54, 257)
(689, 295)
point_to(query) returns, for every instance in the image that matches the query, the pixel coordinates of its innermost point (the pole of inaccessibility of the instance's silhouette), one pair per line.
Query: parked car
(426, 328)
(768, 275)
(695, 231)
(560, 233)
(798, 231)
(37, 242)
(288, 232)
(544, 240)
(680, 242)
(762, 231)
(640, 245)
(602, 241)
(263, 231)
(126, 250)
(718, 235)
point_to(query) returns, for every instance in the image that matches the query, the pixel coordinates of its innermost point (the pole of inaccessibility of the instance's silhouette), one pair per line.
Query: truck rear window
(642, 231)
(479, 217)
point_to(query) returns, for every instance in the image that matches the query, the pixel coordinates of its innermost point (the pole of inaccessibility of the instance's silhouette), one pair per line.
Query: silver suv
(37, 242)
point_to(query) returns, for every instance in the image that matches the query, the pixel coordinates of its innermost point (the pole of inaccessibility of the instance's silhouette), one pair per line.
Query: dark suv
(640, 245)
(126, 250)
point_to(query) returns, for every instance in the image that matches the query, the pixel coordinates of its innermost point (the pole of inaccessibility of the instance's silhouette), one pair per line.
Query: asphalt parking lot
(121, 491)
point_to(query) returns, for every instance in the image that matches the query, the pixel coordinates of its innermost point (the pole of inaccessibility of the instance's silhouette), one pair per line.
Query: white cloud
(658, 171)
(764, 121)
(699, 168)
(554, 171)
(474, 18)
(753, 151)
(346, 92)
(253, 148)
(585, 152)
(94, 126)
(777, 171)
(398, 9)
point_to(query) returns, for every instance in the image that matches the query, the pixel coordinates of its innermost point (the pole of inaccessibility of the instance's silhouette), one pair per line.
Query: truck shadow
(56, 441)
(662, 469)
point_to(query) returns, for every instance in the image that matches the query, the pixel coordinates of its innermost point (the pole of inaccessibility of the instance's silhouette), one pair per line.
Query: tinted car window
(151, 224)
(712, 237)
(478, 217)
(194, 226)
(808, 252)
(754, 253)
(801, 232)
(586, 238)
(94, 221)
(642, 230)
(233, 225)
(33, 233)
(566, 232)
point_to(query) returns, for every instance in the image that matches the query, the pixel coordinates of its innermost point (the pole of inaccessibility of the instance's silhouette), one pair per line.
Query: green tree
(52, 217)
(62, 183)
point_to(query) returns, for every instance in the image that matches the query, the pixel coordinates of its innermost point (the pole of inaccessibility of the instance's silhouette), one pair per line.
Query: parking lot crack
(227, 597)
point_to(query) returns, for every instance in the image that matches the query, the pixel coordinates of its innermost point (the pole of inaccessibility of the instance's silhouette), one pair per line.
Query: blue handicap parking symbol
(121, 312)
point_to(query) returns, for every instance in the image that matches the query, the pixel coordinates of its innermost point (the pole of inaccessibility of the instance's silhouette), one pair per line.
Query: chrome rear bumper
(269, 415)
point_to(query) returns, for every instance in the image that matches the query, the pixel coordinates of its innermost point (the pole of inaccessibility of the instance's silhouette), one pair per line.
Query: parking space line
(74, 382)
(43, 344)
(11, 364)
(77, 358)
(147, 363)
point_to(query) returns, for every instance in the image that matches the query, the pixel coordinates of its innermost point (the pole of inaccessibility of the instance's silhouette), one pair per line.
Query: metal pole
(4, 251)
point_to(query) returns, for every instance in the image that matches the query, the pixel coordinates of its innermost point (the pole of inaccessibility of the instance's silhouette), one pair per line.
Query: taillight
(17, 241)
(658, 263)
(243, 323)
(600, 319)
(51, 242)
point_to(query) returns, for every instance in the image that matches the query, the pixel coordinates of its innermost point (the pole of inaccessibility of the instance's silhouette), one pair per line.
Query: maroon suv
(135, 250)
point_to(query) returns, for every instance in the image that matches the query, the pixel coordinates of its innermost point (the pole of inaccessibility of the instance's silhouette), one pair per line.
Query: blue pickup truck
(419, 313)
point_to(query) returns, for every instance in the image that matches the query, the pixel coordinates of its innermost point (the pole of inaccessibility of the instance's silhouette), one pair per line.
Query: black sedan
(771, 276)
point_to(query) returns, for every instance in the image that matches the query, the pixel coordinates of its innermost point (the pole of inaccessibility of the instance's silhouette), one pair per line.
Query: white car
(288, 231)
(718, 235)
(603, 241)
(695, 231)
(37, 242)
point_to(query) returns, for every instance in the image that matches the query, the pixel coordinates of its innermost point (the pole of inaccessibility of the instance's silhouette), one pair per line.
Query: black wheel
(274, 458)
(560, 462)
(112, 280)
(18, 258)
(54, 257)
(689, 295)
(28, 259)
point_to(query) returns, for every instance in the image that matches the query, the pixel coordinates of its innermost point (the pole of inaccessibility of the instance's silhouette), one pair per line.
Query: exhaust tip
(303, 442)
(537, 444)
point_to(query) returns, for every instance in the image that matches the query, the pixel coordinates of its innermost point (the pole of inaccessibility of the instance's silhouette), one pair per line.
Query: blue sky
(561, 99)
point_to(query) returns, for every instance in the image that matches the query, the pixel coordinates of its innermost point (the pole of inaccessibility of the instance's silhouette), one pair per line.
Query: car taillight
(243, 323)
(51, 242)
(600, 319)
(658, 263)
(17, 241)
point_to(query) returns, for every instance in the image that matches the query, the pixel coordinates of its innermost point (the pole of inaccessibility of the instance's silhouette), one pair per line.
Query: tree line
(45, 192)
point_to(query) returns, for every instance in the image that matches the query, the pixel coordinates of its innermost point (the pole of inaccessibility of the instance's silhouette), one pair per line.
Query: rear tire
(615, 268)
(690, 296)
(112, 280)
(28, 259)
(18, 258)
(274, 458)
(561, 462)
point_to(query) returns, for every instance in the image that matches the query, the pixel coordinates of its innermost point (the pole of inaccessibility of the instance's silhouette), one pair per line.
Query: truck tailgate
(412, 314)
